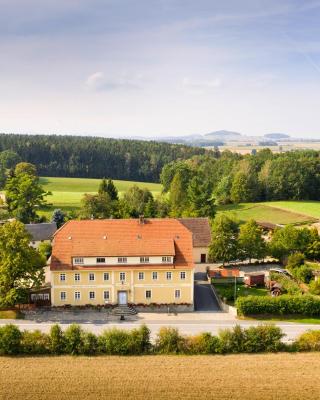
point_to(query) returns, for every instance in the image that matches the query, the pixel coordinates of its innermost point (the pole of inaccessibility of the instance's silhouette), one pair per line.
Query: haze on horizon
(160, 67)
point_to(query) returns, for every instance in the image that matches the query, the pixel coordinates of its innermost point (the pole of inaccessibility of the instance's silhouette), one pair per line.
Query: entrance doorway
(203, 258)
(122, 297)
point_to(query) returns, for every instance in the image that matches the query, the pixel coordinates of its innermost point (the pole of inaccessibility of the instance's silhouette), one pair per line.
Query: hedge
(283, 305)
(76, 341)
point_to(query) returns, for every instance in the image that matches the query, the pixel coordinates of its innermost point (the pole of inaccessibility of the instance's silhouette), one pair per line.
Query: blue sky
(165, 67)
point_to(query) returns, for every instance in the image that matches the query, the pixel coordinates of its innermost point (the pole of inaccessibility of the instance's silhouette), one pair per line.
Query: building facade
(141, 262)
(201, 237)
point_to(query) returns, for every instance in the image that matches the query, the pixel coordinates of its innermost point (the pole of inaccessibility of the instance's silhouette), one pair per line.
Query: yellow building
(141, 262)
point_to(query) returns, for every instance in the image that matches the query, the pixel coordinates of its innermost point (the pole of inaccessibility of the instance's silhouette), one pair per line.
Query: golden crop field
(267, 376)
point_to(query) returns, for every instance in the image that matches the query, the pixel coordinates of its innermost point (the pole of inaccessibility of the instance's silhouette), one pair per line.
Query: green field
(279, 212)
(67, 192)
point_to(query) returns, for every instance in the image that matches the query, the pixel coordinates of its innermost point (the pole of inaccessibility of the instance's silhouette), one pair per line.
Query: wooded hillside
(95, 157)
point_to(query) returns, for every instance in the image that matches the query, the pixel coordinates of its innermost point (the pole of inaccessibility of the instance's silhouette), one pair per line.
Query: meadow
(67, 192)
(272, 376)
(277, 212)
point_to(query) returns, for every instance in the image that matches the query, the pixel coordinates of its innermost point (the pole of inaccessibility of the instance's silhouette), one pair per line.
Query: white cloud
(201, 86)
(99, 82)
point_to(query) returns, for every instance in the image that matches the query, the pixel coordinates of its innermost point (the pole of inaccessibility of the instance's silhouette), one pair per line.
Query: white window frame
(78, 261)
(106, 298)
(106, 274)
(94, 295)
(77, 295)
(166, 259)
(98, 260)
(122, 260)
(154, 277)
(90, 275)
(124, 274)
(176, 291)
(145, 294)
(141, 276)
(183, 275)
(77, 275)
(63, 296)
(169, 273)
(144, 260)
(64, 277)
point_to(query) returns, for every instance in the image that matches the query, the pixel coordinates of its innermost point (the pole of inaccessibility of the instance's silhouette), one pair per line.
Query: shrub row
(75, 341)
(302, 305)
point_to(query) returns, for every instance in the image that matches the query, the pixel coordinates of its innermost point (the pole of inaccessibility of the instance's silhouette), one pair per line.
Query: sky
(160, 67)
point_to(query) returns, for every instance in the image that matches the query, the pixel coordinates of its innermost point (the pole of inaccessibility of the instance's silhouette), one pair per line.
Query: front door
(203, 258)
(122, 297)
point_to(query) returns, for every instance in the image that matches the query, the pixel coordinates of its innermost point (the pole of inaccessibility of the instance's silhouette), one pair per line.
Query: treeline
(94, 157)
(233, 178)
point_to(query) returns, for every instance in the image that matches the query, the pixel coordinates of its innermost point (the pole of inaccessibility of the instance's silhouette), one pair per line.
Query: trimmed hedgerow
(283, 305)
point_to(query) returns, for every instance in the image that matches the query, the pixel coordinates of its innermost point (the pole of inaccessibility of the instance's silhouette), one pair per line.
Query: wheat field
(269, 376)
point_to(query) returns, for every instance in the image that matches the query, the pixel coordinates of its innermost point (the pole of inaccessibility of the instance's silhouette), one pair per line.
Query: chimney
(141, 219)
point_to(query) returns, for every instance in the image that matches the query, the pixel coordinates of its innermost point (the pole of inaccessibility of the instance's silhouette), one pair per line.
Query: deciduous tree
(21, 266)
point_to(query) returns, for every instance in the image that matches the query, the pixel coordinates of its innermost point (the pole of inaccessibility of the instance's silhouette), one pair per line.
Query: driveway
(204, 298)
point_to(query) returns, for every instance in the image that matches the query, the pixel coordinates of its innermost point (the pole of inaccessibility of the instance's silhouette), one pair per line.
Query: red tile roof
(122, 237)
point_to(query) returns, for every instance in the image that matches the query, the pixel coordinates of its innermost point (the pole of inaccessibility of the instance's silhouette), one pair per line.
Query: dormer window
(166, 259)
(101, 260)
(144, 260)
(122, 260)
(78, 260)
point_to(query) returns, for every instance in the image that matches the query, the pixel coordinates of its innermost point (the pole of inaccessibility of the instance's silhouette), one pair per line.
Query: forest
(96, 157)
(233, 178)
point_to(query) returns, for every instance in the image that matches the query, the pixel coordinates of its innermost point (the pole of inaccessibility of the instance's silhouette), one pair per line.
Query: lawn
(308, 208)
(67, 192)
(226, 290)
(271, 376)
(266, 212)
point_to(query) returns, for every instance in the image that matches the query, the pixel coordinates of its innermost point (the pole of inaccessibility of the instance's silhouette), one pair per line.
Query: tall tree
(251, 242)
(21, 266)
(224, 243)
(200, 199)
(58, 217)
(134, 202)
(24, 193)
(97, 206)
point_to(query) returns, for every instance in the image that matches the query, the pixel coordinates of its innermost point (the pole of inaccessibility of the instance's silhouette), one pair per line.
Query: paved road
(292, 330)
(204, 298)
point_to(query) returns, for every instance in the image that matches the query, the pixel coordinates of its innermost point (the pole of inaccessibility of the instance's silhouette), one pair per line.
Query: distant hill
(227, 135)
(276, 136)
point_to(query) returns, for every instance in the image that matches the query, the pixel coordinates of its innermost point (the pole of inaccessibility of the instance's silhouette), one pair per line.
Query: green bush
(57, 341)
(232, 340)
(35, 342)
(10, 339)
(295, 260)
(204, 343)
(283, 305)
(255, 339)
(314, 287)
(140, 340)
(263, 338)
(121, 342)
(169, 341)
(289, 286)
(302, 274)
(89, 344)
(309, 341)
(73, 339)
